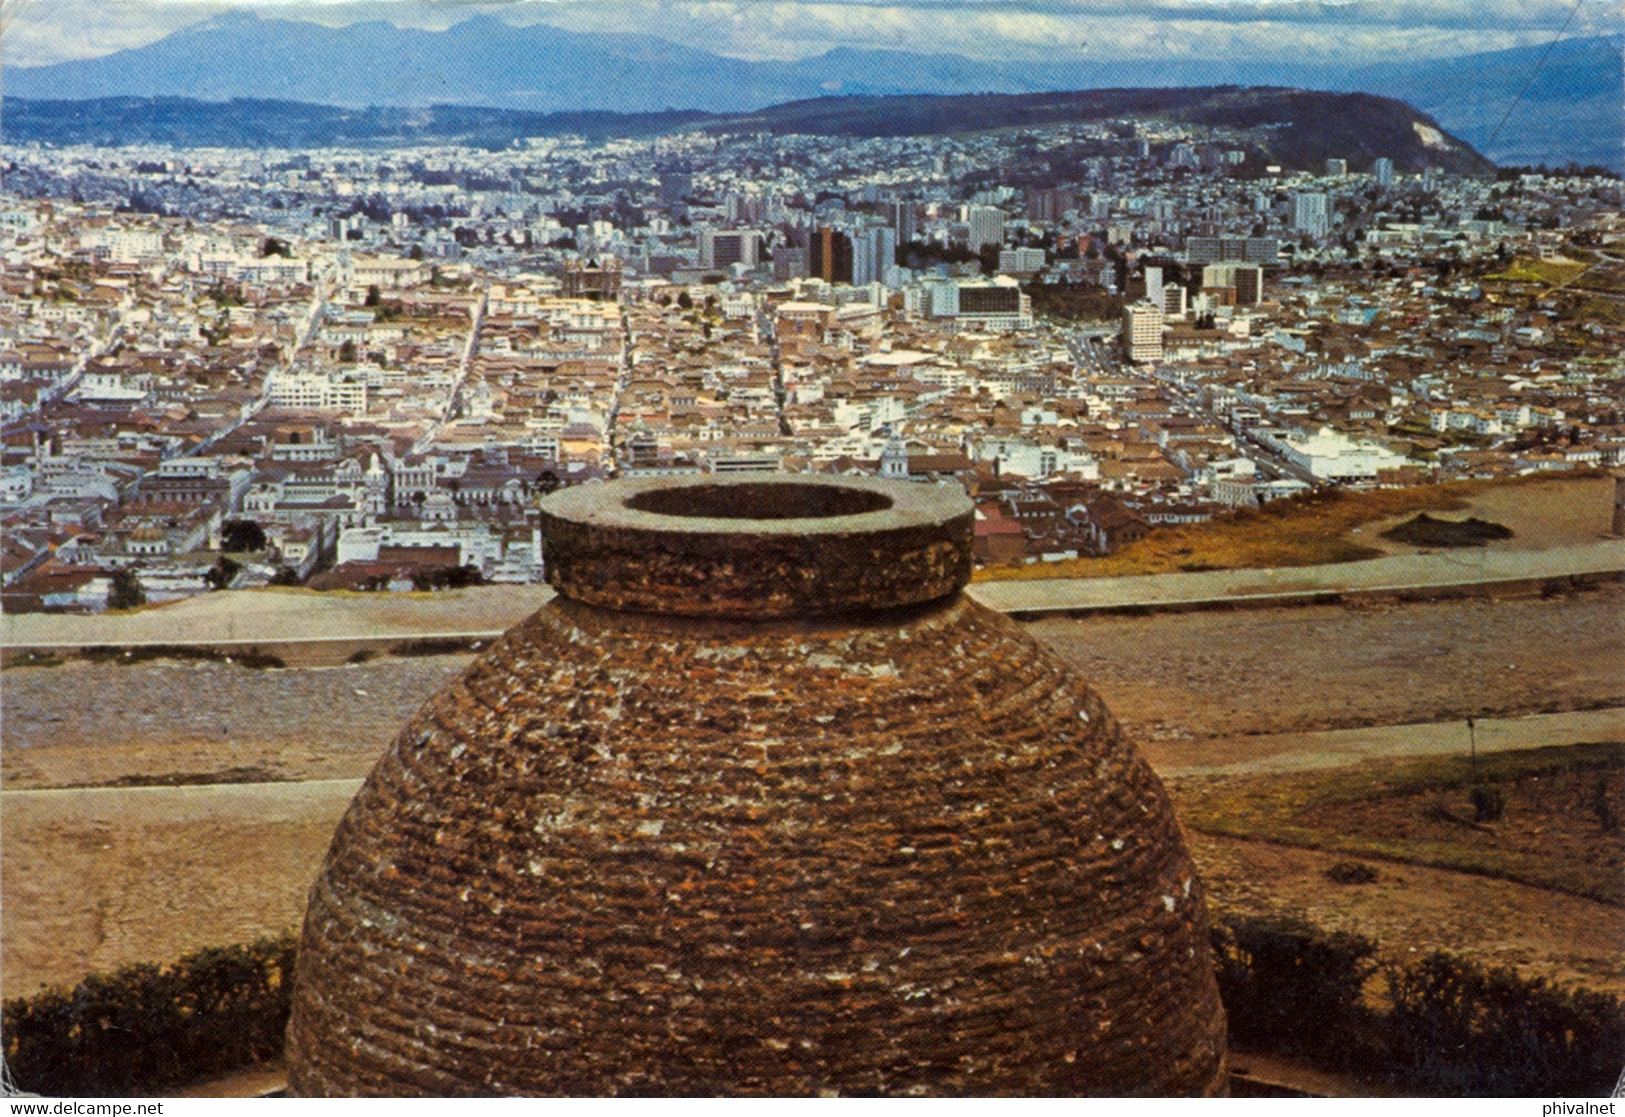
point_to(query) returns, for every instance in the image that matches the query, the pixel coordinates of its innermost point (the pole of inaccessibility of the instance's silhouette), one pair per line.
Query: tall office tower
(864, 264)
(1261, 250)
(1049, 206)
(1153, 285)
(1309, 214)
(1249, 281)
(1173, 302)
(986, 226)
(1383, 170)
(829, 256)
(904, 221)
(885, 239)
(1142, 332)
(789, 263)
(1337, 168)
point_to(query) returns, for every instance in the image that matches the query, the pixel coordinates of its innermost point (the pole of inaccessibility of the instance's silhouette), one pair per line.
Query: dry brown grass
(1309, 530)
(1324, 811)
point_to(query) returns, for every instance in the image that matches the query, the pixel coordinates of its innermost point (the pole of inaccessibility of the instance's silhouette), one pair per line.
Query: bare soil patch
(1226, 674)
(97, 879)
(1556, 512)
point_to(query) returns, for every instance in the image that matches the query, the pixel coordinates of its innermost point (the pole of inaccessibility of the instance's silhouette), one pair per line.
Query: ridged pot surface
(641, 854)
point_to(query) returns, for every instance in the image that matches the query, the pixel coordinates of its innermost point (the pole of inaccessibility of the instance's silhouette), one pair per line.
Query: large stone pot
(760, 804)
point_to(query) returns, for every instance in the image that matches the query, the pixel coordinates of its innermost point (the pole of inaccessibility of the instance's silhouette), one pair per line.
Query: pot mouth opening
(763, 501)
(757, 546)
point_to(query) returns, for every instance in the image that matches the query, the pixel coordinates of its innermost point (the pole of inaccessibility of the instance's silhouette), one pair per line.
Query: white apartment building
(1142, 332)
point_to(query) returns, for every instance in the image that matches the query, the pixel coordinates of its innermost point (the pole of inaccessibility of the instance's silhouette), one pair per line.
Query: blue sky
(40, 31)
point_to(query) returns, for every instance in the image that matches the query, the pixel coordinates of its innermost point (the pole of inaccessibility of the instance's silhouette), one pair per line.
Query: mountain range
(1574, 107)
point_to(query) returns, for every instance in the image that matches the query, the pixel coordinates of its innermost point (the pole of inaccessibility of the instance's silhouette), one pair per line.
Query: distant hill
(1574, 107)
(243, 122)
(1304, 128)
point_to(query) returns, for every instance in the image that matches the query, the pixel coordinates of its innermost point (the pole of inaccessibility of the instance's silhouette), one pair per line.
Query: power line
(1516, 101)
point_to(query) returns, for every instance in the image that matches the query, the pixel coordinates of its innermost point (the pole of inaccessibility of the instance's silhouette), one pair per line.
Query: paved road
(283, 616)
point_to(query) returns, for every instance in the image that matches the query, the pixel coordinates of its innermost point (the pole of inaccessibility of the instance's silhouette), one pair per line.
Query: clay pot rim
(609, 505)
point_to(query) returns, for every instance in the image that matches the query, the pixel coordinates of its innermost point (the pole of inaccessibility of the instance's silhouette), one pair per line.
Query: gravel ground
(190, 720)
(1337, 666)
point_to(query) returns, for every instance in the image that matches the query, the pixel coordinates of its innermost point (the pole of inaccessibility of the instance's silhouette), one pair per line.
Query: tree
(373, 295)
(274, 247)
(237, 536)
(285, 576)
(547, 482)
(221, 574)
(347, 353)
(126, 591)
(685, 300)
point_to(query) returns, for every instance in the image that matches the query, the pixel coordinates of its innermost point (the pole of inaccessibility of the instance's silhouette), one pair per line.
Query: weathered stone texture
(883, 546)
(642, 854)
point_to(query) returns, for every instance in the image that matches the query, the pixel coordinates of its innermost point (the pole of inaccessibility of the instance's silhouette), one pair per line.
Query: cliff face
(653, 854)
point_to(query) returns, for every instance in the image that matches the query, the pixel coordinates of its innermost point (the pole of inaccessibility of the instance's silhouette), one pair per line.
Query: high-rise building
(1153, 285)
(1249, 285)
(1247, 250)
(1021, 261)
(789, 263)
(1246, 281)
(1049, 206)
(722, 249)
(1383, 171)
(1310, 214)
(1173, 301)
(904, 220)
(886, 240)
(829, 256)
(986, 224)
(1142, 332)
(1337, 168)
(864, 263)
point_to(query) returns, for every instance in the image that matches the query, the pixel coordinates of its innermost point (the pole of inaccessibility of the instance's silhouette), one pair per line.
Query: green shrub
(1460, 1028)
(1292, 988)
(1454, 1028)
(144, 1028)
(1489, 803)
